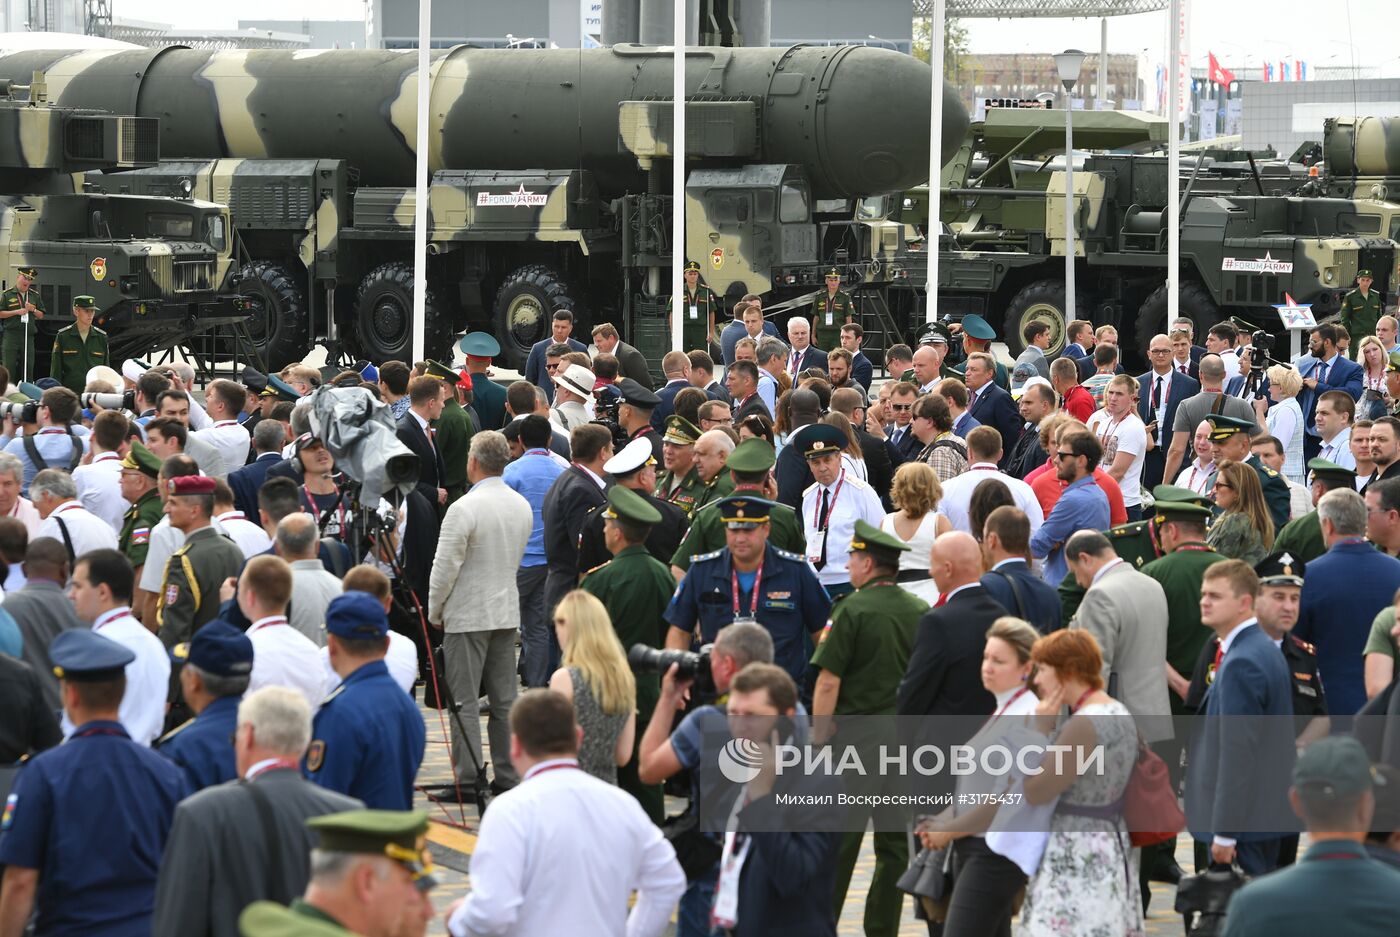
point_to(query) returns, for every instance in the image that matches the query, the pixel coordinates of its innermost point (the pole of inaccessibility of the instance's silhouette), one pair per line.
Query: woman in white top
(916, 492)
(1285, 417)
(985, 883)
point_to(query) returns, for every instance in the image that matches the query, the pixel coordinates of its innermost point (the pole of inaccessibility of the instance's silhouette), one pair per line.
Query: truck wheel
(1044, 301)
(1196, 304)
(383, 322)
(279, 322)
(525, 304)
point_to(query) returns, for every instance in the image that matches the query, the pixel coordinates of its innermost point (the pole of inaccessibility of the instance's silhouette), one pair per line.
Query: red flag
(1219, 74)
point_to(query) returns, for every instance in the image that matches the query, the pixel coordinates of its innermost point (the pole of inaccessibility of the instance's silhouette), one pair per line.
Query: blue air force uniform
(368, 738)
(790, 603)
(92, 814)
(203, 746)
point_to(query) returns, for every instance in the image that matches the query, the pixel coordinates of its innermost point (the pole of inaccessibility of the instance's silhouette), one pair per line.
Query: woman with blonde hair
(915, 493)
(595, 675)
(1285, 417)
(1245, 531)
(851, 456)
(1373, 358)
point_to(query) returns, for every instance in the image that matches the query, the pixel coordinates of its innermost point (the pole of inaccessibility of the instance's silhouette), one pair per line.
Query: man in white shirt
(224, 401)
(101, 593)
(984, 452)
(573, 819)
(1220, 340)
(99, 481)
(928, 360)
(182, 376)
(282, 656)
(12, 503)
(179, 406)
(573, 388)
(1199, 473)
(65, 518)
(831, 507)
(402, 656)
(1123, 436)
(251, 538)
(298, 542)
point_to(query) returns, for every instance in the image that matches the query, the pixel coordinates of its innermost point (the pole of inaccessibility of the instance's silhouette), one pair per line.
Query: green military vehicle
(1003, 237)
(550, 180)
(157, 267)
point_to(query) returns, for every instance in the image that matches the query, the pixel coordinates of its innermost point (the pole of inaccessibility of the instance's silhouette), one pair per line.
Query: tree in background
(954, 39)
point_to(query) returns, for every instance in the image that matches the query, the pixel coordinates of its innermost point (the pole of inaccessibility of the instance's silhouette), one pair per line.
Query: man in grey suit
(1126, 612)
(246, 840)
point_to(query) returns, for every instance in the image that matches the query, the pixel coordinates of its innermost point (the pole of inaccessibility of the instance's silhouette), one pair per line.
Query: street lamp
(1069, 63)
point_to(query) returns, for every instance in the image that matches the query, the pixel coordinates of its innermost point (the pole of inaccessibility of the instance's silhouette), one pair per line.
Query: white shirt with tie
(848, 500)
(142, 711)
(1183, 366)
(557, 818)
(283, 656)
(1159, 391)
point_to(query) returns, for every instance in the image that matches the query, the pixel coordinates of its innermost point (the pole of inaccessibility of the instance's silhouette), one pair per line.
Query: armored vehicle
(157, 267)
(550, 184)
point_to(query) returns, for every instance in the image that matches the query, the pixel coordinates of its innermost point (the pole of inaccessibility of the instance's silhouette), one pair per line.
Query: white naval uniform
(849, 500)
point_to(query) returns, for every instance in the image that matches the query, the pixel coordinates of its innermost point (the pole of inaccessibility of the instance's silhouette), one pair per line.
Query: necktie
(432, 437)
(822, 521)
(1322, 373)
(898, 436)
(942, 600)
(796, 362)
(1219, 655)
(1157, 392)
(1183, 369)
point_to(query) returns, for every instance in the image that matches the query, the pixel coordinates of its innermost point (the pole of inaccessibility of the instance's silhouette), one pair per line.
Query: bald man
(944, 677)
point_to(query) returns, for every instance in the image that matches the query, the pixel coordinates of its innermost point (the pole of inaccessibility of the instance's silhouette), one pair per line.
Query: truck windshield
(793, 204)
(872, 208)
(176, 227)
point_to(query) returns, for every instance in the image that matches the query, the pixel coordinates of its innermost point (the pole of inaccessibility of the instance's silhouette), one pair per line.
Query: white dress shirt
(99, 486)
(283, 656)
(231, 441)
(1338, 451)
(142, 712)
(86, 530)
(848, 500)
(251, 538)
(402, 661)
(957, 496)
(559, 817)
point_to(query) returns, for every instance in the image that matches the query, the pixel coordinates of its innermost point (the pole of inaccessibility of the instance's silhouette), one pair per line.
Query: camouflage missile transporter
(157, 267)
(1003, 244)
(550, 182)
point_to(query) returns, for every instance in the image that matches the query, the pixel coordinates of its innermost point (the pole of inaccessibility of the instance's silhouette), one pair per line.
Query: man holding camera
(78, 347)
(48, 442)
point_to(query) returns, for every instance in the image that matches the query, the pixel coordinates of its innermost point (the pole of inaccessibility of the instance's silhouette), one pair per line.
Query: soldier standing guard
(455, 428)
(1361, 308)
(19, 305)
(701, 304)
(78, 347)
(832, 309)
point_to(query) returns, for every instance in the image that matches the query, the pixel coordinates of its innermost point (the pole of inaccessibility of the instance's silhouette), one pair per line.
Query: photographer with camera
(661, 756)
(46, 438)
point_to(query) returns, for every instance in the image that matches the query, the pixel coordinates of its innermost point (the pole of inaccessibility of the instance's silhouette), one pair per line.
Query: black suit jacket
(754, 405)
(879, 469)
(566, 504)
(246, 480)
(813, 357)
(668, 402)
(420, 541)
(794, 477)
(1026, 455)
(633, 364)
(861, 369)
(908, 446)
(994, 407)
(944, 676)
(1180, 388)
(715, 391)
(431, 469)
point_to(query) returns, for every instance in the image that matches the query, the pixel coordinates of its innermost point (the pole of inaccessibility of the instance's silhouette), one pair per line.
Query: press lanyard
(269, 765)
(1080, 702)
(340, 508)
(753, 596)
(1014, 697)
(830, 506)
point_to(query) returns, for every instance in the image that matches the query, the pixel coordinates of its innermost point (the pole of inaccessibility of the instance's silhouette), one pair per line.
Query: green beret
(1222, 427)
(84, 302)
(140, 459)
(871, 539)
(752, 455)
(680, 431)
(626, 504)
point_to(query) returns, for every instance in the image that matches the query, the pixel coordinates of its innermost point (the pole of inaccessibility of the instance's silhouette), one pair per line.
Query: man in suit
(218, 859)
(702, 375)
(1080, 333)
(561, 327)
(1325, 369)
(1194, 352)
(1236, 773)
(1006, 539)
(990, 405)
(1036, 403)
(631, 361)
(1160, 391)
(862, 371)
(899, 410)
(415, 430)
(1185, 361)
(1346, 587)
(269, 436)
(676, 366)
(878, 470)
(578, 488)
(803, 354)
(742, 380)
(1126, 612)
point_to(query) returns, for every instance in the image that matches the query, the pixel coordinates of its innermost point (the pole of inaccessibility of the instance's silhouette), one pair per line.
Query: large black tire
(1043, 300)
(280, 325)
(383, 324)
(1196, 304)
(525, 304)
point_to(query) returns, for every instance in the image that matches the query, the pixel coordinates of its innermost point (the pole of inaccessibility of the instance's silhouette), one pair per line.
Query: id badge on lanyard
(694, 311)
(725, 913)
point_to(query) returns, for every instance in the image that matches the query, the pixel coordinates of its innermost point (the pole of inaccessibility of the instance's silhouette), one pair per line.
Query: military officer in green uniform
(1361, 308)
(717, 487)
(1302, 536)
(189, 592)
(455, 428)
(978, 335)
(398, 836)
(831, 309)
(20, 308)
(1231, 437)
(78, 347)
(862, 656)
(681, 488)
(140, 469)
(635, 587)
(698, 316)
(749, 466)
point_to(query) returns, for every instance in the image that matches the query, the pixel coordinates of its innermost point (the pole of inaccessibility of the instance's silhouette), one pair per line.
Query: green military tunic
(1302, 537)
(270, 919)
(686, 494)
(1180, 573)
(830, 311)
(74, 355)
(701, 309)
(1359, 314)
(706, 533)
(454, 436)
(189, 592)
(720, 486)
(635, 588)
(17, 343)
(137, 523)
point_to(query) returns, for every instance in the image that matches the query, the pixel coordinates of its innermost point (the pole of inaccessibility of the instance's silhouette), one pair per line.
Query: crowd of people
(1057, 547)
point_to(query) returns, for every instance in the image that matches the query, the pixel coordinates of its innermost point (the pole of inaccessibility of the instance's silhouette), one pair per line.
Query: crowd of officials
(1054, 547)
